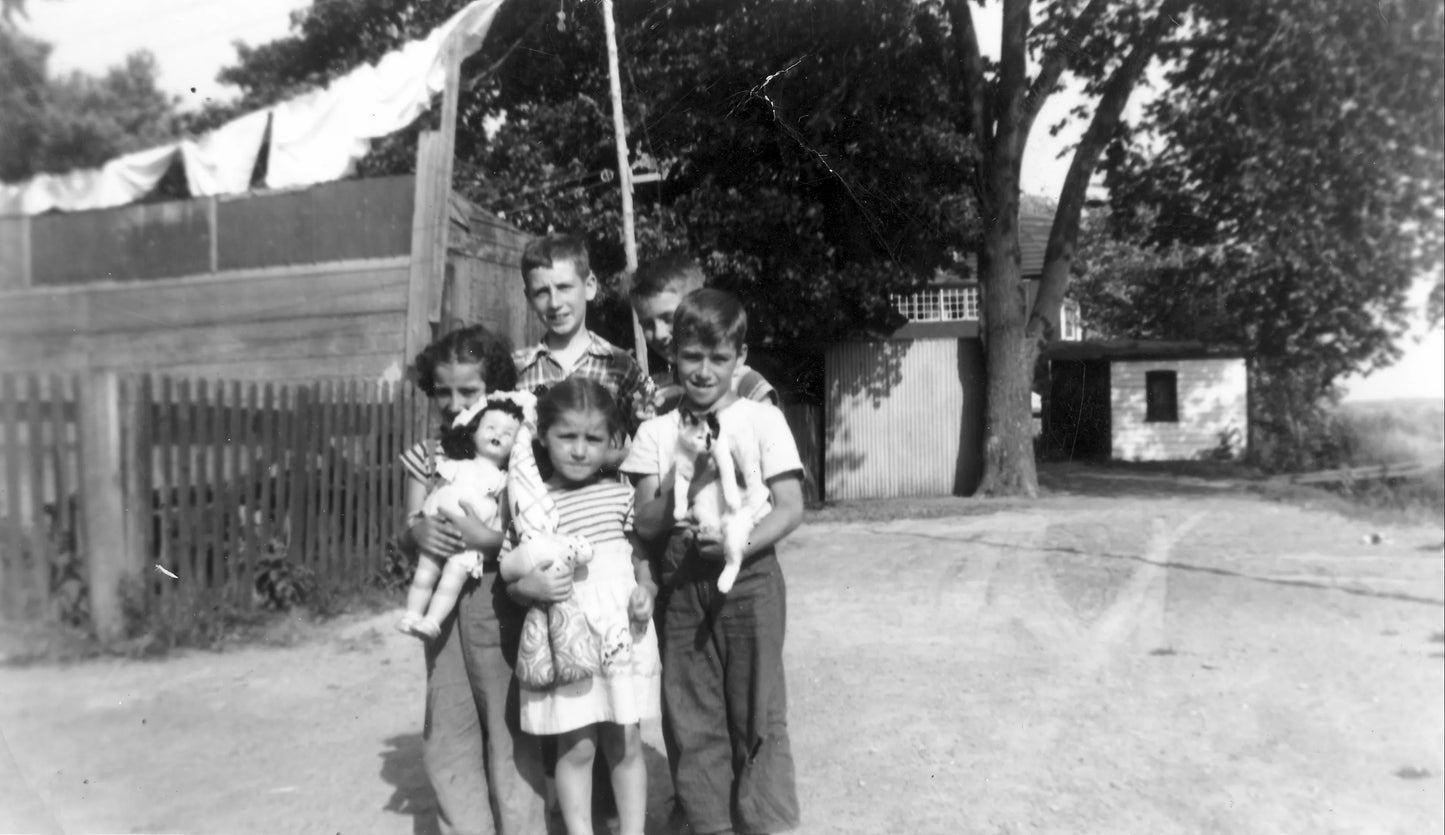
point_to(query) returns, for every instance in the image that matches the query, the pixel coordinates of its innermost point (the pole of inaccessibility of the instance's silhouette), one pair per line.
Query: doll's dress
(476, 481)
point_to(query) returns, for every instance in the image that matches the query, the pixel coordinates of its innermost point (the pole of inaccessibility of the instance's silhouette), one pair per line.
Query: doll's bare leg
(428, 571)
(444, 599)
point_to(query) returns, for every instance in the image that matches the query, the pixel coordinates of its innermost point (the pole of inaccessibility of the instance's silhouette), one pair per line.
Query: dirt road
(1206, 662)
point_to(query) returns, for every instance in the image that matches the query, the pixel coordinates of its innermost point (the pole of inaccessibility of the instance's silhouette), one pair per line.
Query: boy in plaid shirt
(559, 284)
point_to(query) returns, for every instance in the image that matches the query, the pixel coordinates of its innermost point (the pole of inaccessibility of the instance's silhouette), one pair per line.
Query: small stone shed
(1132, 400)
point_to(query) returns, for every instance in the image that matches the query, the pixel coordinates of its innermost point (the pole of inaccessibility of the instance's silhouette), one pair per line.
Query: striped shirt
(601, 512)
(420, 460)
(602, 361)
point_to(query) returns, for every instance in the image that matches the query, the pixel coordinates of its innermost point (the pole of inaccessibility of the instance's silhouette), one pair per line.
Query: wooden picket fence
(246, 473)
(197, 486)
(41, 574)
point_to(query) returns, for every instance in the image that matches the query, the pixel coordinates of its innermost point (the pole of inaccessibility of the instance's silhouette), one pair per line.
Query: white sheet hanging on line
(124, 179)
(320, 136)
(314, 138)
(221, 162)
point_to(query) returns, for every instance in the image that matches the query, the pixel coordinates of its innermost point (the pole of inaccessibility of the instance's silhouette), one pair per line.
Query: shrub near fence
(234, 479)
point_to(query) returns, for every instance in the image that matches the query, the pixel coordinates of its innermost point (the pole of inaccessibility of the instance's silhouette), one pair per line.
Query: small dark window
(1161, 396)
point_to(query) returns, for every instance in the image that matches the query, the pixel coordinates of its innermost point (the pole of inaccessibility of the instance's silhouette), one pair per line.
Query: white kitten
(733, 447)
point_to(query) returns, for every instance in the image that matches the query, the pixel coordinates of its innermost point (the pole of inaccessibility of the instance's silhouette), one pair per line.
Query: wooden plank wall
(127, 243)
(14, 253)
(345, 220)
(324, 321)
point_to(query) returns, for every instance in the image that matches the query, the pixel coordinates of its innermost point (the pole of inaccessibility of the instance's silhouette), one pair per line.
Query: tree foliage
(1294, 194)
(811, 151)
(55, 124)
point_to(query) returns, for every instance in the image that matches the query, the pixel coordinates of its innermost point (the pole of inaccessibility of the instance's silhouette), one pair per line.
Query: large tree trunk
(1008, 447)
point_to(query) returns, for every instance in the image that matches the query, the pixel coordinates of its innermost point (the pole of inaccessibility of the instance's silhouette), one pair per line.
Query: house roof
(1140, 349)
(1034, 228)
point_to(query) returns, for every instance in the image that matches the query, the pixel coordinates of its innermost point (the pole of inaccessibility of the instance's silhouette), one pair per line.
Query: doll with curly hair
(470, 479)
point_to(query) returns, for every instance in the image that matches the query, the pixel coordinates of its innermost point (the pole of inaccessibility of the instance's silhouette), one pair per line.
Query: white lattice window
(945, 304)
(1071, 325)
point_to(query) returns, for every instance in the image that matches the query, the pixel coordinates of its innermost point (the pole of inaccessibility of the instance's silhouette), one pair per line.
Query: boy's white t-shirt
(654, 449)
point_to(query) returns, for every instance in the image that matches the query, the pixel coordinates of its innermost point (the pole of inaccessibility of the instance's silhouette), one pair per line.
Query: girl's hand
(639, 605)
(437, 537)
(543, 584)
(473, 532)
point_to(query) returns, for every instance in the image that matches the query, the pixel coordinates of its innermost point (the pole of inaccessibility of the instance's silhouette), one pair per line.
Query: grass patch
(209, 623)
(1410, 501)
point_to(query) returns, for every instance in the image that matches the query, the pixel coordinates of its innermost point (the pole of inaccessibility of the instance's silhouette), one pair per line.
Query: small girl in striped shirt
(577, 421)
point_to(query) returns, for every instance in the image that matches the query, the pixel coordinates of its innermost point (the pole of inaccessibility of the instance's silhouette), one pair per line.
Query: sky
(192, 40)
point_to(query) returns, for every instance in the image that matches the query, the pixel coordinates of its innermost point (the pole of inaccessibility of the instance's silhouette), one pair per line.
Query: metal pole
(624, 176)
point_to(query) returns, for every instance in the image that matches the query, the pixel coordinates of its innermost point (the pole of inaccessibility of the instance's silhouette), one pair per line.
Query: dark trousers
(487, 773)
(724, 694)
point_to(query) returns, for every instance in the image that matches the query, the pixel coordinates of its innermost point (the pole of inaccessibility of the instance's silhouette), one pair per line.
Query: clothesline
(314, 138)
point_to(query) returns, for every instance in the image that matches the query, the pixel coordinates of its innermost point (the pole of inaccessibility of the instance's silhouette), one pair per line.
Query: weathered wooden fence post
(138, 500)
(102, 503)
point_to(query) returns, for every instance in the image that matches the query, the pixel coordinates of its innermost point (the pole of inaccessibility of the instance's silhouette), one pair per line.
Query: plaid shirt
(604, 362)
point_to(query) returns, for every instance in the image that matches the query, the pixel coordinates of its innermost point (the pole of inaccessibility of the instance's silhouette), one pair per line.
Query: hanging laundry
(315, 137)
(124, 179)
(221, 162)
(320, 136)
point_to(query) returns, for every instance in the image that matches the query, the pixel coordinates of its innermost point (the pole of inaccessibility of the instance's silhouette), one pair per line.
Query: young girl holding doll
(577, 421)
(486, 773)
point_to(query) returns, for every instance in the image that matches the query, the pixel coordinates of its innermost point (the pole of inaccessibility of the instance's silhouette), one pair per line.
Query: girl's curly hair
(472, 345)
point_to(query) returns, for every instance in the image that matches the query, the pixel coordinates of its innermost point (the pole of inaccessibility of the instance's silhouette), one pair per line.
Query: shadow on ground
(402, 768)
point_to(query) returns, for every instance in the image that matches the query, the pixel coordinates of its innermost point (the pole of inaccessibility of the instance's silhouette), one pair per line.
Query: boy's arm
(652, 505)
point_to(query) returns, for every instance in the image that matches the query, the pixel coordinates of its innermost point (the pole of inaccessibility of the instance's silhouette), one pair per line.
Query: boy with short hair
(559, 283)
(722, 669)
(657, 288)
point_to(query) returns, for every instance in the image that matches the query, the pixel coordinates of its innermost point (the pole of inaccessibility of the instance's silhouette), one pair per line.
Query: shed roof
(1140, 349)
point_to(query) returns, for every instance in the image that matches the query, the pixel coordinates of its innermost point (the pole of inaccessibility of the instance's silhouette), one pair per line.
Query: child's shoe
(419, 626)
(429, 629)
(408, 623)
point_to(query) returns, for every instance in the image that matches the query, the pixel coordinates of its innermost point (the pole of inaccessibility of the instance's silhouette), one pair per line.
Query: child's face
(457, 388)
(559, 297)
(706, 371)
(654, 313)
(577, 444)
(494, 436)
